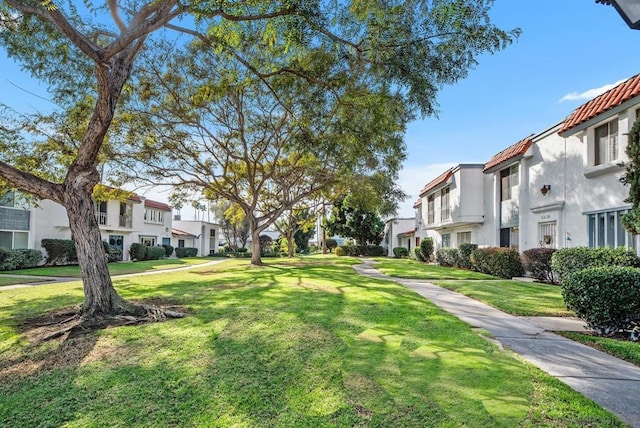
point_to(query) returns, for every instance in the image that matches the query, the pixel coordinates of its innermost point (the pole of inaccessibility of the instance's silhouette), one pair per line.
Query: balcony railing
(125, 221)
(101, 218)
(431, 217)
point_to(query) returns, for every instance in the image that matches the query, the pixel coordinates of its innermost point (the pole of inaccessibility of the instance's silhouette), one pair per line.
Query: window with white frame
(430, 210)
(446, 240)
(508, 180)
(606, 143)
(605, 229)
(149, 241)
(463, 237)
(547, 234)
(153, 216)
(14, 240)
(445, 211)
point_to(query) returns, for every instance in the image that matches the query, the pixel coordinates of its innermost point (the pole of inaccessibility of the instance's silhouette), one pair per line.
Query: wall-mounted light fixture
(545, 189)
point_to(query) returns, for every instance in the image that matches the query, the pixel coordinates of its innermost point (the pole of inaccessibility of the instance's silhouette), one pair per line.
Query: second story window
(430, 210)
(606, 143)
(153, 216)
(100, 211)
(508, 180)
(444, 204)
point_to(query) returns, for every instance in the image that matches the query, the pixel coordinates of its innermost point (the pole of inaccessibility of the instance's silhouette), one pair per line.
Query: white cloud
(590, 93)
(412, 180)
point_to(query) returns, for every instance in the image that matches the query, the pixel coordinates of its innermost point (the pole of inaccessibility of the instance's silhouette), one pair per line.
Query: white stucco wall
(201, 230)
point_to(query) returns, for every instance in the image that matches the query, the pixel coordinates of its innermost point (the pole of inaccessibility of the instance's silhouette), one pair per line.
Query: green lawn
(300, 343)
(625, 350)
(7, 280)
(119, 268)
(413, 269)
(514, 297)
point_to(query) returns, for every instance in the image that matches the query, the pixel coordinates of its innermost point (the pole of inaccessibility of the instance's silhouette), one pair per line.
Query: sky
(569, 52)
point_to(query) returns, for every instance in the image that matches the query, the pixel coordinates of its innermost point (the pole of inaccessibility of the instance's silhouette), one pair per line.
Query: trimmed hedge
(606, 298)
(464, 254)
(346, 250)
(361, 250)
(113, 254)
(502, 262)
(426, 247)
(168, 250)
(569, 260)
(400, 252)
(331, 244)
(417, 254)
(19, 259)
(59, 251)
(537, 261)
(137, 251)
(447, 257)
(186, 252)
(154, 253)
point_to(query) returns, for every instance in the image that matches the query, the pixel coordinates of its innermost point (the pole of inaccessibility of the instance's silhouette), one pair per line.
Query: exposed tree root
(60, 324)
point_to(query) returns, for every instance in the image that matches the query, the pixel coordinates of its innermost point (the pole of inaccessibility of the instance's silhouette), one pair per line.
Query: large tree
(350, 218)
(87, 59)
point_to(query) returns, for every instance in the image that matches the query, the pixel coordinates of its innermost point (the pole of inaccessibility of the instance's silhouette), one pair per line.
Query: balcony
(125, 221)
(101, 218)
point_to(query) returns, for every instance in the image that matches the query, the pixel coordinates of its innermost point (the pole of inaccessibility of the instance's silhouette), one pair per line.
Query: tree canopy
(87, 54)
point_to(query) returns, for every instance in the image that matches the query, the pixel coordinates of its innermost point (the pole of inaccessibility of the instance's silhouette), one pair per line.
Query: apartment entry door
(117, 241)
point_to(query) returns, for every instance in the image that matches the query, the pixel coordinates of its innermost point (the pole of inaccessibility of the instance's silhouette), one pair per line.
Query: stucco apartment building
(122, 222)
(558, 188)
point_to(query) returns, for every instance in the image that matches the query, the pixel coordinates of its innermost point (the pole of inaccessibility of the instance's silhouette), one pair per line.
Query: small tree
(631, 178)
(426, 246)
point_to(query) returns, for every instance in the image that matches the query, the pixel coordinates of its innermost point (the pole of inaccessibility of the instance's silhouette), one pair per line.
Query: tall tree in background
(297, 226)
(351, 219)
(233, 222)
(631, 178)
(87, 61)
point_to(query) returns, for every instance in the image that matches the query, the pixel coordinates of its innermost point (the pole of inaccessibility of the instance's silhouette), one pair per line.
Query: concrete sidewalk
(609, 381)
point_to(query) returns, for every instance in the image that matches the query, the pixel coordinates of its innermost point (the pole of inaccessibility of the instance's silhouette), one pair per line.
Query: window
(464, 237)
(154, 216)
(430, 210)
(606, 142)
(180, 243)
(212, 233)
(125, 215)
(14, 240)
(149, 241)
(547, 234)
(446, 240)
(605, 230)
(508, 180)
(444, 204)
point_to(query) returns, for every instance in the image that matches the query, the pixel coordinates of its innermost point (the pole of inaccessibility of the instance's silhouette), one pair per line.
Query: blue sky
(568, 48)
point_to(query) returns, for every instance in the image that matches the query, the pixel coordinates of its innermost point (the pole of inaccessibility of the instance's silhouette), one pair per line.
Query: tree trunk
(256, 258)
(100, 298)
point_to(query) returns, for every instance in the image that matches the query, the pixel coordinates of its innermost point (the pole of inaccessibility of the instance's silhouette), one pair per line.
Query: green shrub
(137, 251)
(426, 245)
(242, 250)
(168, 250)
(502, 262)
(220, 254)
(186, 252)
(370, 250)
(417, 254)
(346, 250)
(447, 257)
(400, 252)
(19, 259)
(464, 255)
(59, 251)
(154, 253)
(537, 261)
(569, 260)
(331, 244)
(606, 298)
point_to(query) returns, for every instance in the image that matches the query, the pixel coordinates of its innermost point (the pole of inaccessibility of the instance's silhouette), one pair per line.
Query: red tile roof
(417, 203)
(408, 233)
(518, 149)
(178, 232)
(600, 104)
(442, 178)
(157, 205)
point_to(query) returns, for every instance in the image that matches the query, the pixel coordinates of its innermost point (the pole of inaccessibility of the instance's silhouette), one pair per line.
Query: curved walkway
(46, 280)
(609, 381)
